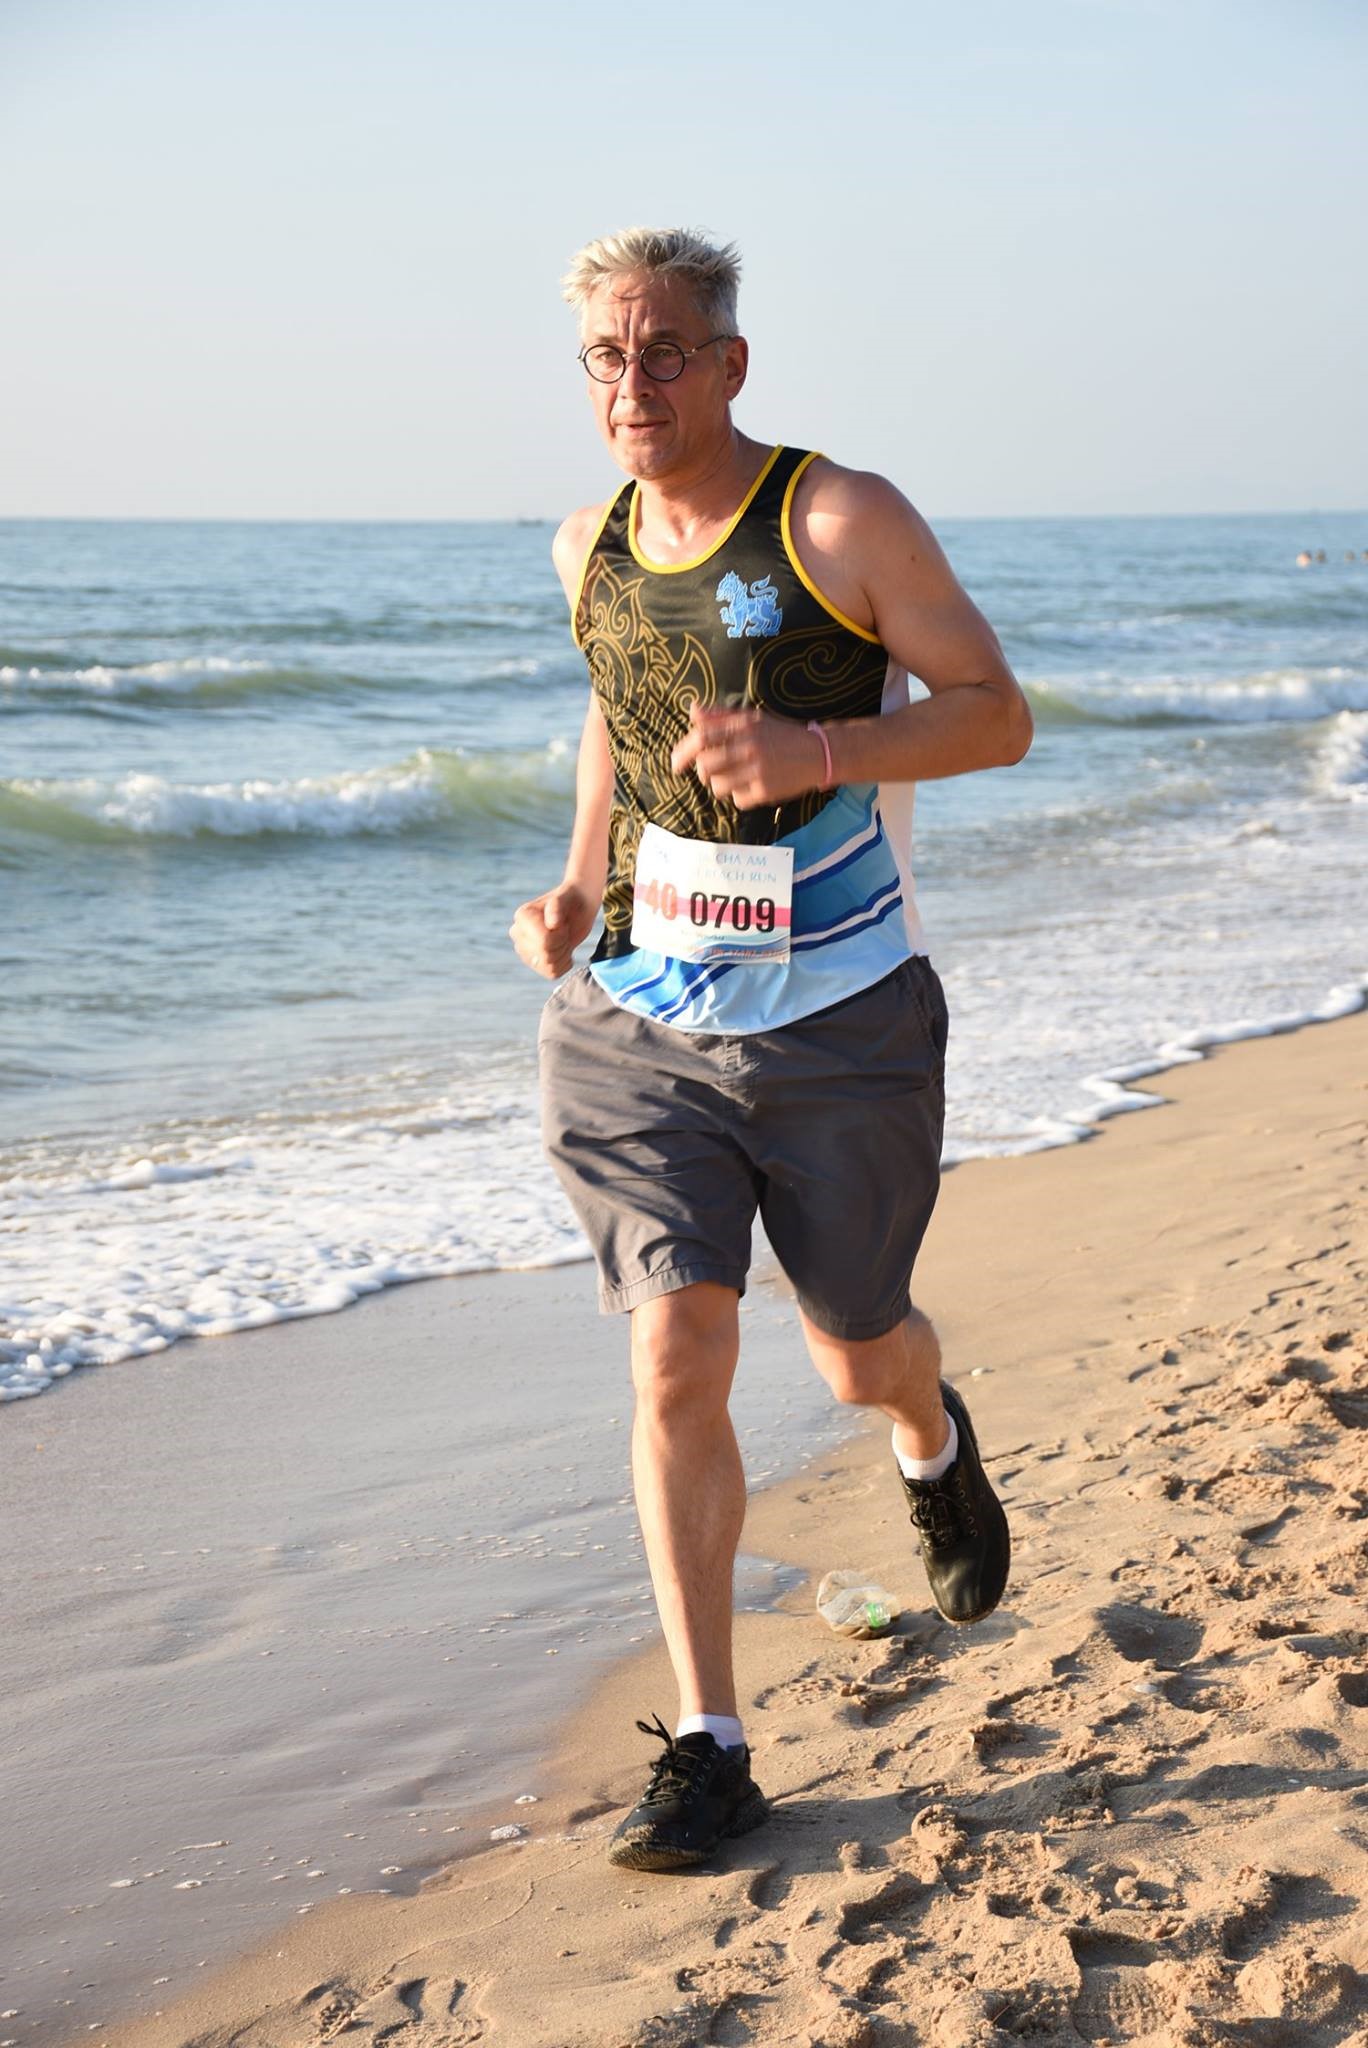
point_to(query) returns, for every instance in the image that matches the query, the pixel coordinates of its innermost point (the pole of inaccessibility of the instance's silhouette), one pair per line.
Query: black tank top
(742, 624)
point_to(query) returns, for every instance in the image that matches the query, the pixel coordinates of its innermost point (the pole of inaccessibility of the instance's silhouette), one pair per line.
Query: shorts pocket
(555, 1002)
(564, 986)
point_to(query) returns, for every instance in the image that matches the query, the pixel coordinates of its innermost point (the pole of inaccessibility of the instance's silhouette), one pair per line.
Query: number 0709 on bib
(695, 899)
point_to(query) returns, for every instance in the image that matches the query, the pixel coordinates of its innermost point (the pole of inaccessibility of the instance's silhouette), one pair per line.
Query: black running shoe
(699, 1793)
(966, 1545)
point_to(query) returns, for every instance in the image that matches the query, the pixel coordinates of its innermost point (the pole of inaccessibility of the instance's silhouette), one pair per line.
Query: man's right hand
(546, 931)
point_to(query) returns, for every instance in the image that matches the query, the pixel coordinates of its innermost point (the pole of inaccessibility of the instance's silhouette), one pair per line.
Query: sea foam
(1343, 767)
(107, 679)
(1269, 696)
(110, 1259)
(208, 682)
(431, 785)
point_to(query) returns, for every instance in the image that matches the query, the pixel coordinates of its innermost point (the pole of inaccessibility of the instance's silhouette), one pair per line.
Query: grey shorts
(667, 1142)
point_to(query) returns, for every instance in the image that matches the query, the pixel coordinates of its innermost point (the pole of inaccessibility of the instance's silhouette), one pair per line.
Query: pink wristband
(830, 775)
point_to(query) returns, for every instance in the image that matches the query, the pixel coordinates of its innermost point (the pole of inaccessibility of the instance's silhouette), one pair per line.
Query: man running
(760, 1027)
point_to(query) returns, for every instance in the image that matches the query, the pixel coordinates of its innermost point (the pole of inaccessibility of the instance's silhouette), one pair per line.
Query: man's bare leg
(689, 1482)
(899, 1373)
(965, 1541)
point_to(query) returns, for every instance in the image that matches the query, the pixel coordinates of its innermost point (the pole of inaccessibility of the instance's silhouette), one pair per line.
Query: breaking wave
(1274, 696)
(199, 679)
(433, 787)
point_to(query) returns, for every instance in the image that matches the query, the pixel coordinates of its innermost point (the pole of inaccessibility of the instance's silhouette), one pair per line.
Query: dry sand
(1130, 1807)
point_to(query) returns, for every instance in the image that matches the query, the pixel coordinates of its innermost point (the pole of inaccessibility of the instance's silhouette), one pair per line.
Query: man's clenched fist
(546, 931)
(750, 756)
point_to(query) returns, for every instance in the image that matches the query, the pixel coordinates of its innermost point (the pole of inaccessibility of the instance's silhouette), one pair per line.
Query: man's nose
(634, 382)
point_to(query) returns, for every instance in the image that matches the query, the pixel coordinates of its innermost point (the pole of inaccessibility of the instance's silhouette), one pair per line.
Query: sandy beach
(1130, 1807)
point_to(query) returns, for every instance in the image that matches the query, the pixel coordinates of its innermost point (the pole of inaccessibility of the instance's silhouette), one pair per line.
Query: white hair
(711, 272)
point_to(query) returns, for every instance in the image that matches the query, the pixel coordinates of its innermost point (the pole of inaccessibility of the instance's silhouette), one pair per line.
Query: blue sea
(269, 794)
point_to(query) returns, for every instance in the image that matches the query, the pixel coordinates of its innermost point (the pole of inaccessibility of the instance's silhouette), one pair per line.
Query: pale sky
(301, 258)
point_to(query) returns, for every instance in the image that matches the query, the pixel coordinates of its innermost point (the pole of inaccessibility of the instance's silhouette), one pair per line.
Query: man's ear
(737, 362)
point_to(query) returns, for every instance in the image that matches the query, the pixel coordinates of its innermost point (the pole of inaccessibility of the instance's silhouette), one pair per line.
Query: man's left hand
(750, 756)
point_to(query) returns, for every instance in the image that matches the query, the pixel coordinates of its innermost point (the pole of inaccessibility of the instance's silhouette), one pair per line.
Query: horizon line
(547, 519)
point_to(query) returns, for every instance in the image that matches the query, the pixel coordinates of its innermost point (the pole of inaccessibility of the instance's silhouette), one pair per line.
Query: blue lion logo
(752, 613)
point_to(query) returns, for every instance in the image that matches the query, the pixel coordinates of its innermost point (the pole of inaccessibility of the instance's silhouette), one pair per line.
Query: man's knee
(864, 1371)
(860, 1373)
(684, 1349)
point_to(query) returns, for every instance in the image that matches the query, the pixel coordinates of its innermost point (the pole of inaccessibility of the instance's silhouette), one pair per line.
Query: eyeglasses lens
(662, 360)
(604, 364)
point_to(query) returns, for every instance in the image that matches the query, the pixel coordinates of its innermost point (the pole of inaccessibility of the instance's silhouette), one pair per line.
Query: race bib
(695, 900)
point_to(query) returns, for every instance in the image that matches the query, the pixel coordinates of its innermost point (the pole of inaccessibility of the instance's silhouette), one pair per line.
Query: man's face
(657, 430)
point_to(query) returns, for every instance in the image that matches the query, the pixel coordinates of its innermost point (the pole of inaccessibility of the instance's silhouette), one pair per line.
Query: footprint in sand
(1146, 1635)
(430, 2006)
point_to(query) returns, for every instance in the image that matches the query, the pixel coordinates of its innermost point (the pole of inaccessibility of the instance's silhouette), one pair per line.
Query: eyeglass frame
(638, 356)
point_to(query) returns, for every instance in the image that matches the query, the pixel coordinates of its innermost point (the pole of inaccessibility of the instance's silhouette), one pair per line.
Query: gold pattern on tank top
(646, 683)
(818, 673)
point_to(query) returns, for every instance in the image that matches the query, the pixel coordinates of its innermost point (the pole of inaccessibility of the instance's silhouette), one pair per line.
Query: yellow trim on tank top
(786, 534)
(678, 568)
(608, 511)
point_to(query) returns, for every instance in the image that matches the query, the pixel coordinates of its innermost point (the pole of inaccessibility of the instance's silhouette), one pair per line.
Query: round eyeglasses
(661, 360)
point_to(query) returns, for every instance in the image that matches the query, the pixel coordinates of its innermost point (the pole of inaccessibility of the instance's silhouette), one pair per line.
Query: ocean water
(270, 792)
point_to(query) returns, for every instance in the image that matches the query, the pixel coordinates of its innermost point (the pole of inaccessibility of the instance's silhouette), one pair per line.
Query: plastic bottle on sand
(854, 1604)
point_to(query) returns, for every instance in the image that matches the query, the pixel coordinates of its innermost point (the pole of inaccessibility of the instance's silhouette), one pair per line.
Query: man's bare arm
(546, 930)
(904, 590)
(586, 864)
(874, 557)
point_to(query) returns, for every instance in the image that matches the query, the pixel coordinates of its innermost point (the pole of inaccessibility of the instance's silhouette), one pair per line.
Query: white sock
(725, 1729)
(929, 1468)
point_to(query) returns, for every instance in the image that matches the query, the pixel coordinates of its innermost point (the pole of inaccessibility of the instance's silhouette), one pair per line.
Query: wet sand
(285, 1608)
(1132, 1806)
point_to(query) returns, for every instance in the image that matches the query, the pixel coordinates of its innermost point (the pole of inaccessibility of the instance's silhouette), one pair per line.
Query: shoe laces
(941, 1510)
(675, 1770)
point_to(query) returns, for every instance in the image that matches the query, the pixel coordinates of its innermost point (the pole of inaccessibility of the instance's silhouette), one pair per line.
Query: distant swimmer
(1320, 554)
(1303, 560)
(760, 1026)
